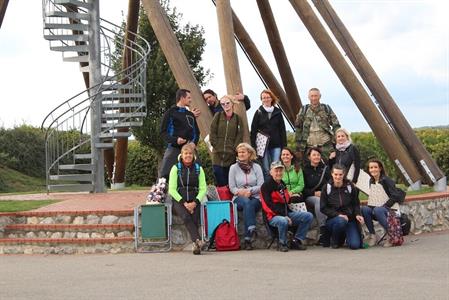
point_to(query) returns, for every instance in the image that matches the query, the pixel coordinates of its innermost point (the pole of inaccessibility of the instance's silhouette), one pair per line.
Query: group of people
(322, 172)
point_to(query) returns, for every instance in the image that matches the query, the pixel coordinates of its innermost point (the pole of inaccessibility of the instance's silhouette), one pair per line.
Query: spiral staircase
(82, 127)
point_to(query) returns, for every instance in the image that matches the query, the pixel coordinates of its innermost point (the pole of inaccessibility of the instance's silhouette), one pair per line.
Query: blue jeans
(299, 218)
(379, 213)
(270, 155)
(250, 206)
(221, 175)
(340, 229)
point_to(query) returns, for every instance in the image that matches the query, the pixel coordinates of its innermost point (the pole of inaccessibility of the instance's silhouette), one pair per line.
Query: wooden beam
(384, 134)
(380, 92)
(3, 6)
(230, 59)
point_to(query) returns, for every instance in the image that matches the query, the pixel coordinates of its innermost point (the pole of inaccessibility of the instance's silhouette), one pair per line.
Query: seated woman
(245, 179)
(383, 195)
(187, 187)
(226, 132)
(293, 177)
(340, 203)
(316, 175)
(275, 199)
(346, 154)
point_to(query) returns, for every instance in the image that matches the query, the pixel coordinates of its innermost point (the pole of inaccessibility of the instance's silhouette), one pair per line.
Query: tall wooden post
(383, 97)
(262, 67)
(294, 101)
(177, 61)
(385, 136)
(3, 7)
(230, 58)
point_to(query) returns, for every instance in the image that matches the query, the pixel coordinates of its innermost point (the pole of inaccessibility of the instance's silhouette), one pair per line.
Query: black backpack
(406, 224)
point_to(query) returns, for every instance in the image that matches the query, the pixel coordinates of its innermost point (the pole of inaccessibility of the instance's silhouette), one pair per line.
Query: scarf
(245, 166)
(344, 146)
(269, 109)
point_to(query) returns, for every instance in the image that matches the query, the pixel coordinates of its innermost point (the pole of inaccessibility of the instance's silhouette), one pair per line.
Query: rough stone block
(56, 235)
(83, 235)
(126, 220)
(124, 234)
(32, 220)
(109, 235)
(78, 220)
(63, 219)
(48, 220)
(109, 220)
(92, 219)
(30, 235)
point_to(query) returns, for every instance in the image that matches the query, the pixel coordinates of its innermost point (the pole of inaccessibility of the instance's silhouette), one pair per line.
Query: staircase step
(104, 145)
(73, 2)
(74, 177)
(123, 105)
(71, 187)
(107, 97)
(81, 167)
(79, 58)
(78, 26)
(124, 115)
(83, 156)
(70, 15)
(121, 124)
(115, 135)
(79, 48)
(117, 86)
(67, 37)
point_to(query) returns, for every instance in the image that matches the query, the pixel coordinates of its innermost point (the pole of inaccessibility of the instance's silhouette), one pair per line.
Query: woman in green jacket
(225, 134)
(293, 177)
(187, 187)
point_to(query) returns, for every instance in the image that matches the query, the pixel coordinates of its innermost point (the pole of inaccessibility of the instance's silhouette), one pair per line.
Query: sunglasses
(225, 103)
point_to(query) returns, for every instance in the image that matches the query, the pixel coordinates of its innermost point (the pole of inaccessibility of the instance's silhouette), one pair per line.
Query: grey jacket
(239, 180)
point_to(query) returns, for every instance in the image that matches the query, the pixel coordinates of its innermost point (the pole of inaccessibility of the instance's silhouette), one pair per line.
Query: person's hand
(289, 221)
(318, 194)
(239, 96)
(196, 112)
(344, 217)
(244, 193)
(360, 219)
(290, 193)
(181, 141)
(190, 206)
(332, 155)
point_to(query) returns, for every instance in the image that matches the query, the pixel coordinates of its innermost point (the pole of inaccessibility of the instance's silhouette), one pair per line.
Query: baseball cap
(276, 164)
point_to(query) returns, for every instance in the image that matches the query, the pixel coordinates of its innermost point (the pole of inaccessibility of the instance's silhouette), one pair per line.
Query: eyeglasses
(225, 103)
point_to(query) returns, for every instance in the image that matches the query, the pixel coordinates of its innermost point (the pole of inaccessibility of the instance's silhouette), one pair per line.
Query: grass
(12, 181)
(15, 205)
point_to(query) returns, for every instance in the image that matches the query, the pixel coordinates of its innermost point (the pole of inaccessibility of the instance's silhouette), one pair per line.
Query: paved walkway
(417, 270)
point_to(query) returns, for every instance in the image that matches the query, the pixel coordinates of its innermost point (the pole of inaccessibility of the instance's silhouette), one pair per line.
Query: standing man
(178, 127)
(275, 199)
(316, 124)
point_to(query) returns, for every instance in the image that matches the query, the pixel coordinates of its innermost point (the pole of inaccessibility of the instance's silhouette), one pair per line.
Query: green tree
(161, 84)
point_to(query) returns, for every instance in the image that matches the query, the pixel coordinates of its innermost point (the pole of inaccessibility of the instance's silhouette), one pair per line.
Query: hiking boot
(324, 239)
(371, 239)
(248, 245)
(283, 248)
(297, 245)
(196, 249)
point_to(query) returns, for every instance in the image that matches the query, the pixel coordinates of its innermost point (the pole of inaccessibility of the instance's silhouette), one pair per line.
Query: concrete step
(80, 167)
(67, 37)
(78, 26)
(70, 187)
(70, 15)
(73, 177)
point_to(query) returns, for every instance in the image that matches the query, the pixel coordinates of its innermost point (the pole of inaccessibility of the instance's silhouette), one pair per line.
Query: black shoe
(325, 239)
(283, 248)
(298, 245)
(248, 245)
(335, 246)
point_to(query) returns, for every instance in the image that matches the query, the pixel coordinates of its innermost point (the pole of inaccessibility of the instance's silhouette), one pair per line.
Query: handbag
(262, 140)
(394, 230)
(224, 193)
(300, 206)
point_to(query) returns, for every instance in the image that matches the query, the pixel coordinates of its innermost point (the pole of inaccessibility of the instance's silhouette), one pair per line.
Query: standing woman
(225, 134)
(316, 175)
(187, 187)
(269, 121)
(245, 180)
(346, 154)
(340, 203)
(383, 195)
(293, 177)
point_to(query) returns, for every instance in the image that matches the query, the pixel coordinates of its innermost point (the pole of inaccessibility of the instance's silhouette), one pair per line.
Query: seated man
(275, 199)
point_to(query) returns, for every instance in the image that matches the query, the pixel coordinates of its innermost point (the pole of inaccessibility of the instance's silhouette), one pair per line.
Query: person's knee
(307, 217)
(354, 245)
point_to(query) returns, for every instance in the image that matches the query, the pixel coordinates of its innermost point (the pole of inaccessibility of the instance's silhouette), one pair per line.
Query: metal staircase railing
(122, 94)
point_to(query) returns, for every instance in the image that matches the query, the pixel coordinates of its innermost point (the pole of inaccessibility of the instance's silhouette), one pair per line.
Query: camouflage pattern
(327, 121)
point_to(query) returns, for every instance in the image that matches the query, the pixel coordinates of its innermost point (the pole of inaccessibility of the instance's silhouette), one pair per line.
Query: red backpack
(224, 237)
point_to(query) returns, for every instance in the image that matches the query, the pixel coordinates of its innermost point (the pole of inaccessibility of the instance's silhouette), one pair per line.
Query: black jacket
(395, 195)
(179, 122)
(273, 127)
(346, 158)
(312, 177)
(342, 200)
(218, 108)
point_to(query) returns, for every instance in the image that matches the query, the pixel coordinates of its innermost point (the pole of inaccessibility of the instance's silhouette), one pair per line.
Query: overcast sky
(407, 43)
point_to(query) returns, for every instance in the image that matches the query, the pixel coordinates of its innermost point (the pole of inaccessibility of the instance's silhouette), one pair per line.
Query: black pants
(191, 221)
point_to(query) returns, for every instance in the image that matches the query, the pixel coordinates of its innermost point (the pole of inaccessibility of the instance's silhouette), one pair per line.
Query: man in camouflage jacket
(316, 124)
